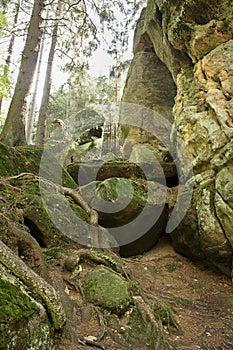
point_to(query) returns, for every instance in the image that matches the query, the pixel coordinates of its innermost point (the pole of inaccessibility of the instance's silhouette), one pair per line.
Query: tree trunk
(10, 47)
(32, 108)
(40, 132)
(14, 128)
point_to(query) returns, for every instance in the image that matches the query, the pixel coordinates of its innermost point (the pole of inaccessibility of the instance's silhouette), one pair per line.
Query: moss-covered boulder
(24, 323)
(98, 170)
(106, 288)
(134, 212)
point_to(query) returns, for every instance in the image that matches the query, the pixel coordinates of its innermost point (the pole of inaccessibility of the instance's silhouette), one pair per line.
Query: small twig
(19, 176)
(85, 341)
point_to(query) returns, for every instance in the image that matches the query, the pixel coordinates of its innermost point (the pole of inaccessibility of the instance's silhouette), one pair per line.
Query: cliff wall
(183, 69)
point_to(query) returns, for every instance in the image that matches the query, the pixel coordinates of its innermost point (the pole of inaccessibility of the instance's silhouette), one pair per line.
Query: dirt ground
(202, 299)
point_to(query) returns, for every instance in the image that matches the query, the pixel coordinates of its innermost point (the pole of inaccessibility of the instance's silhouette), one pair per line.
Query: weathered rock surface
(193, 40)
(135, 213)
(149, 83)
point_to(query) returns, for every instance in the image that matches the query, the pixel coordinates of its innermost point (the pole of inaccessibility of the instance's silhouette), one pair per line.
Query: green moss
(54, 253)
(106, 288)
(35, 214)
(15, 310)
(113, 189)
(6, 163)
(16, 160)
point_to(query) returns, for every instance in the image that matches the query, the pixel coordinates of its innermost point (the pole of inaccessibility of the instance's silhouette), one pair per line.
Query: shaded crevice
(35, 232)
(159, 16)
(217, 217)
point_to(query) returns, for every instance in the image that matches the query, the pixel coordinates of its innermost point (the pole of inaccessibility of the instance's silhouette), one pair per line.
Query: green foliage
(5, 83)
(3, 21)
(82, 92)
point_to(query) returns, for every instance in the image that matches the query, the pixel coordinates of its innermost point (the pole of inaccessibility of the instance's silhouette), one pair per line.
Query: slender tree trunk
(32, 108)
(14, 128)
(10, 47)
(68, 101)
(40, 133)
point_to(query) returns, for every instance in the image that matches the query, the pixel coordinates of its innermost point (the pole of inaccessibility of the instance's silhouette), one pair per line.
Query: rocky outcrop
(193, 41)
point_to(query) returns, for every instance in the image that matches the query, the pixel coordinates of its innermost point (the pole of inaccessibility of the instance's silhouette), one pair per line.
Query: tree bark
(10, 47)
(14, 128)
(40, 133)
(32, 108)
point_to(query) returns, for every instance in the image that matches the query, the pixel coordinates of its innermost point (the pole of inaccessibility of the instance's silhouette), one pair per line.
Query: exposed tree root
(75, 195)
(83, 204)
(36, 284)
(71, 263)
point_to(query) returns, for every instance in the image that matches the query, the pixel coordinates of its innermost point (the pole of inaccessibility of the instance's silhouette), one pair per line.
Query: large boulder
(201, 235)
(99, 170)
(134, 212)
(149, 83)
(193, 40)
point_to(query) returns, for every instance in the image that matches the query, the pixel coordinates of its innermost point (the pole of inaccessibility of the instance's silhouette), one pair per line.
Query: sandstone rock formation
(191, 41)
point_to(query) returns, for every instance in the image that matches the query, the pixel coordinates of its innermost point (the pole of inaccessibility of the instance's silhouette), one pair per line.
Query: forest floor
(203, 301)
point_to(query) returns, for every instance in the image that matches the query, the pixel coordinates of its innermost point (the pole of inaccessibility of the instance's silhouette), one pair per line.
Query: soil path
(203, 300)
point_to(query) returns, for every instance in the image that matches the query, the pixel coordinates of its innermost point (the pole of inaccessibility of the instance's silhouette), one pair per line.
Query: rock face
(150, 84)
(193, 42)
